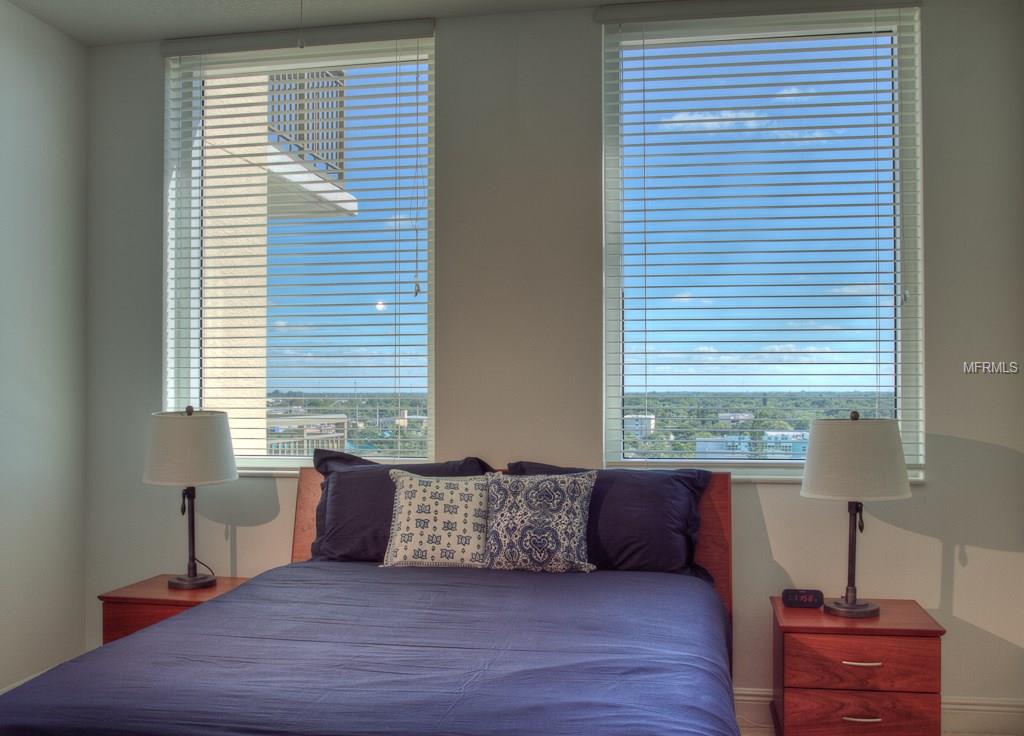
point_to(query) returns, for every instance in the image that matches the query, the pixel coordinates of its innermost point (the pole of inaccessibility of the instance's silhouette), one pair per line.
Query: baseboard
(983, 715)
(960, 715)
(752, 709)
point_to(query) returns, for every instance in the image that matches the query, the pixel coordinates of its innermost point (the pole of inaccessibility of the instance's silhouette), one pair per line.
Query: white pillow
(438, 522)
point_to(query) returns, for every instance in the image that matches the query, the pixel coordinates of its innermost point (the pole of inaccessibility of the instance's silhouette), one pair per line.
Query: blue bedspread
(349, 648)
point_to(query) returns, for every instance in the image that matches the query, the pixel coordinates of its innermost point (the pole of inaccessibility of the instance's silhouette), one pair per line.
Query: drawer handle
(862, 664)
(853, 719)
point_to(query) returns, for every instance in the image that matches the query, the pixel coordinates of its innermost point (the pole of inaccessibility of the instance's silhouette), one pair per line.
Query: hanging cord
(751, 722)
(398, 250)
(418, 204)
(878, 260)
(644, 123)
(301, 41)
(200, 562)
(183, 509)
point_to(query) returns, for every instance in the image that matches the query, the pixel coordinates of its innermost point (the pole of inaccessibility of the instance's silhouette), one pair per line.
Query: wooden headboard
(714, 553)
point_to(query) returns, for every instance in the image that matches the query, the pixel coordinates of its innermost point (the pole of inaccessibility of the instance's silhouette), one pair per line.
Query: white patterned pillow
(438, 522)
(539, 522)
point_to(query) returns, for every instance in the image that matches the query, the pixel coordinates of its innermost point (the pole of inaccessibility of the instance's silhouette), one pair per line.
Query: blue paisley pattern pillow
(538, 522)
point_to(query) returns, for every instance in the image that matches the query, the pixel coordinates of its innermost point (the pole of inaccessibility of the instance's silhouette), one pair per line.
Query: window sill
(288, 467)
(753, 473)
(763, 473)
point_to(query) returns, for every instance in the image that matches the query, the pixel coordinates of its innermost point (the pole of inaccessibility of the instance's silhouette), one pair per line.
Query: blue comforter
(349, 648)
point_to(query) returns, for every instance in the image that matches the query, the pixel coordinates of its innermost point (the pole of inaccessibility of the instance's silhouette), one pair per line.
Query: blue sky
(344, 310)
(703, 142)
(707, 131)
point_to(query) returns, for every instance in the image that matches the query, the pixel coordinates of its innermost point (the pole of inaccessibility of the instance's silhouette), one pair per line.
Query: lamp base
(857, 609)
(184, 582)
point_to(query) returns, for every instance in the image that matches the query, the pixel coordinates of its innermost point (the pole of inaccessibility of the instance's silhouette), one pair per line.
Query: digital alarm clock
(802, 598)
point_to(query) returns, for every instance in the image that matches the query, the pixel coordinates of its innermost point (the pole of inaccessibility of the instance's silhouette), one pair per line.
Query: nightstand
(136, 606)
(837, 676)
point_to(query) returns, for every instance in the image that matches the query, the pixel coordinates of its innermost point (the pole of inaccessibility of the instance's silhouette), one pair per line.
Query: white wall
(42, 242)
(518, 270)
(135, 531)
(518, 255)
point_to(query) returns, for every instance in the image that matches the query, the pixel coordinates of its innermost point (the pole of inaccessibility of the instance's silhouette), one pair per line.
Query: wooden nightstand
(136, 606)
(837, 676)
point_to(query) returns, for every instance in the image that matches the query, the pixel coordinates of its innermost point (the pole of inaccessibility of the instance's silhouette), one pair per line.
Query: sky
(754, 210)
(349, 294)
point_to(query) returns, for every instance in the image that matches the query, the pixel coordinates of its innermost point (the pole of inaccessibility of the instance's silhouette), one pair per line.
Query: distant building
(735, 417)
(278, 408)
(785, 445)
(294, 435)
(404, 418)
(638, 425)
(726, 447)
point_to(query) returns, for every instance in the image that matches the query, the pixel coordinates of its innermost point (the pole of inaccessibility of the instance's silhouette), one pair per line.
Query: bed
(351, 648)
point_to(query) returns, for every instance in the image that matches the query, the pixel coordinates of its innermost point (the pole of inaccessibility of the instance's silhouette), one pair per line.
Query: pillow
(438, 522)
(538, 522)
(639, 519)
(353, 518)
(327, 460)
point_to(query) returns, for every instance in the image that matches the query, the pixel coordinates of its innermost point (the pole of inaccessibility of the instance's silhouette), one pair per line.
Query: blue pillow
(639, 519)
(538, 522)
(357, 498)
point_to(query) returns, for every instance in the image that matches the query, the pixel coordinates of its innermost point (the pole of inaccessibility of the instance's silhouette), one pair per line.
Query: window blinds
(762, 233)
(298, 245)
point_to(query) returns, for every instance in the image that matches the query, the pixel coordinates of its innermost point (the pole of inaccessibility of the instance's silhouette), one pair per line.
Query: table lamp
(855, 460)
(187, 449)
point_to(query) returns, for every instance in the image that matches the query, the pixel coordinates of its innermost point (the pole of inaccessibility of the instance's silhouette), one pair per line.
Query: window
(299, 246)
(762, 234)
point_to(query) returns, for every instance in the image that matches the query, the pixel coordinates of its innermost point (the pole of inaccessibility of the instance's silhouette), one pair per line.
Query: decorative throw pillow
(538, 522)
(438, 522)
(639, 519)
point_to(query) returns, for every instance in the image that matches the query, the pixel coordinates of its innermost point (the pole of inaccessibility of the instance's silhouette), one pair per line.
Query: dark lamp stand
(848, 605)
(192, 579)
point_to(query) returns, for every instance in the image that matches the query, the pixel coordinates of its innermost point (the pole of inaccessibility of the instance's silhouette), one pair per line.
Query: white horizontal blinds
(763, 258)
(299, 231)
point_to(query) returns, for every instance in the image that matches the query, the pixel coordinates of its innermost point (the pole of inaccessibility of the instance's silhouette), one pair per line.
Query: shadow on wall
(973, 504)
(753, 583)
(246, 502)
(957, 547)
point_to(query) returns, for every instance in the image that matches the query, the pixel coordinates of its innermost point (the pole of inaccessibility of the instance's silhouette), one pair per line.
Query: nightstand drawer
(855, 713)
(122, 619)
(136, 606)
(843, 661)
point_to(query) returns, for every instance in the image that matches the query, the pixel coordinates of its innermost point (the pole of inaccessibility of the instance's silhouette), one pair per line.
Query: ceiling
(101, 22)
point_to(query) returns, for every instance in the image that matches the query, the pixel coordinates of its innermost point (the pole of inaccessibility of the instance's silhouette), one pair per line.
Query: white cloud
(285, 325)
(790, 347)
(686, 297)
(799, 134)
(795, 91)
(742, 120)
(792, 353)
(717, 120)
(854, 290)
(806, 323)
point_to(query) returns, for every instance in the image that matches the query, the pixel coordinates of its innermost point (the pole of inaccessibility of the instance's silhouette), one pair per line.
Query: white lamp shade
(855, 460)
(189, 449)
